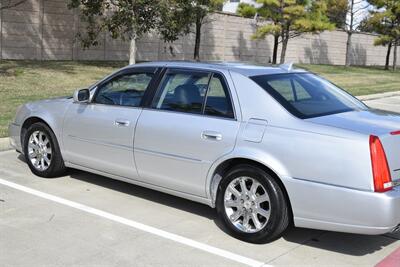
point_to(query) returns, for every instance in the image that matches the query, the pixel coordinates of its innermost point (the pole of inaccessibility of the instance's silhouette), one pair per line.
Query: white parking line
(139, 226)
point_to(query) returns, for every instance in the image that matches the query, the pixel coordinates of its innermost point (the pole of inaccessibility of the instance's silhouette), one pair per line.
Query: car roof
(239, 67)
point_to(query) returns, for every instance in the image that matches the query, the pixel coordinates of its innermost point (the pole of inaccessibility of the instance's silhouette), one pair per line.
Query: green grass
(23, 81)
(359, 80)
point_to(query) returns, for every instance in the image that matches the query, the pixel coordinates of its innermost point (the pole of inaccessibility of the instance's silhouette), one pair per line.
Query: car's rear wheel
(252, 205)
(42, 152)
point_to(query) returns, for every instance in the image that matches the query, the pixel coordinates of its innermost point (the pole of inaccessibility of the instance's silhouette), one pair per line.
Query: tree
(337, 12)
(123, 19)
(286, 19)
(355, 14)
(6, 4)
(385, 21)
(187, 15)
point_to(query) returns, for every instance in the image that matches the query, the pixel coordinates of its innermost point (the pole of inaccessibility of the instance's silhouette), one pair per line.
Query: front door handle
(121, 123)
(211, 135)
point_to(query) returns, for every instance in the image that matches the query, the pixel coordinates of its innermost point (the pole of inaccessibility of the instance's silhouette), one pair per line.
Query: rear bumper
(327, 207)
(14, 131)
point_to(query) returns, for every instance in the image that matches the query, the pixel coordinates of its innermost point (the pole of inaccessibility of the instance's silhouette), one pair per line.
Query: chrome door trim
(109, 144)
(167, 155)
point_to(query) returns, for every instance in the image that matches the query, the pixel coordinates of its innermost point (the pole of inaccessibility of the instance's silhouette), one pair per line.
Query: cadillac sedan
(266, 146)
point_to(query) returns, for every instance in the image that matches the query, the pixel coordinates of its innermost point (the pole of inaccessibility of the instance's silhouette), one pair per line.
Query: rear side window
(218, 101)
(198, 92)
(182, 91)
(306, 95)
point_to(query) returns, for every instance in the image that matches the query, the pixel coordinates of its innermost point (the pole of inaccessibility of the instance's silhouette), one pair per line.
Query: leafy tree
(123, 19)
(385, 21)
(337, 12)
(186, 15)
(287, 19)
(365, 26)
(5, 4)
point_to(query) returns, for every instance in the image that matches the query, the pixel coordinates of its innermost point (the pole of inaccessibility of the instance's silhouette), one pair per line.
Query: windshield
(306, 95)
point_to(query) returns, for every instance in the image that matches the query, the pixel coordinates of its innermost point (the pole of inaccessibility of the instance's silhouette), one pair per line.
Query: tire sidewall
(54, 146)
(276, 202)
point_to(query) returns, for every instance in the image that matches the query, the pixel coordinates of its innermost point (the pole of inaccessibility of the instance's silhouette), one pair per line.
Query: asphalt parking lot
(85, 219)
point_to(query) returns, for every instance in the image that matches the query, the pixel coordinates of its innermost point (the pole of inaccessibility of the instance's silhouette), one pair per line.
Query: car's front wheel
(42, 152)
(252, 205)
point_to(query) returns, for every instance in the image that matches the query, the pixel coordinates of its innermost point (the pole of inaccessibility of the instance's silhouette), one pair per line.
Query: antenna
(287, 66)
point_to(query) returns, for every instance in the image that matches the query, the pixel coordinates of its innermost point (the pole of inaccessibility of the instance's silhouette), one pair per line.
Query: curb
(5, 144)
(378, 96)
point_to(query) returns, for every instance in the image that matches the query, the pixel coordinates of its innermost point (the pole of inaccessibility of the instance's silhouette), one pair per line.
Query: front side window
(306, 95)
(182, 91)
(124, 90)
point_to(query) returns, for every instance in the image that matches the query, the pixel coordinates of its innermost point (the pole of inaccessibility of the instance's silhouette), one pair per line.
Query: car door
(189, 124)
(99, 135)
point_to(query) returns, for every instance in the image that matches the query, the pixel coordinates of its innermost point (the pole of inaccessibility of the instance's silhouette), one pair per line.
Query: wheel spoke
(262, 198)
(246, 219)
(32, 154)
(254, 187)
(263, 212)
(35, 138)
(233, 190)
(46, 141)
(236, 215)
(243, 186)
(36, 163)
(231, 203)
(33, 146)
(255, 220)
(47, 160)
(40, 137)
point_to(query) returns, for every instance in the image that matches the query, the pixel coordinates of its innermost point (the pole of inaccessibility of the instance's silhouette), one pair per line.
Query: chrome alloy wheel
(247, 204)
(39, 150)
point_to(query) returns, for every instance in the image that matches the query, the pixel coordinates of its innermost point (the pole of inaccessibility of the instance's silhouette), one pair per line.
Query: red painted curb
(393, 260)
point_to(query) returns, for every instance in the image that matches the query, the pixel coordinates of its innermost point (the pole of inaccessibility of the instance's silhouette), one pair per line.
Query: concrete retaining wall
(46, 30)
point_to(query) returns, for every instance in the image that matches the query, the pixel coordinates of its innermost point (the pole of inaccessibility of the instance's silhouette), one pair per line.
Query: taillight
(380, 167)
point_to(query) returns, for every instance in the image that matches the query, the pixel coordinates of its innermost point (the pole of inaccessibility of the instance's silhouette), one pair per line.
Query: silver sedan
(266, 146)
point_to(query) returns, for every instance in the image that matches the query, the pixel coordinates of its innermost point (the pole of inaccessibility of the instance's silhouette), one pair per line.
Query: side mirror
(81, 96)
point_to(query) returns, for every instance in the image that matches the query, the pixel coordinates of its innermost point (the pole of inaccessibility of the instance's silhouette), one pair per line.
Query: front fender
(50, 111)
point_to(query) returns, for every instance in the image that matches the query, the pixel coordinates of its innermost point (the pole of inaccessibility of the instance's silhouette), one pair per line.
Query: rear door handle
(121, 123)
(210, 135)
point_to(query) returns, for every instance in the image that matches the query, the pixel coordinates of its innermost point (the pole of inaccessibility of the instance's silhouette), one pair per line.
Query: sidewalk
(5, 144)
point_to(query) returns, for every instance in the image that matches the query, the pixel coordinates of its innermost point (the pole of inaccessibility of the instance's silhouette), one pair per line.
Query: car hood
(368, 122)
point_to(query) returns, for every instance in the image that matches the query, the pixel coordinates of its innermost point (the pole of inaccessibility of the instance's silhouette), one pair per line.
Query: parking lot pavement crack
(305, 242)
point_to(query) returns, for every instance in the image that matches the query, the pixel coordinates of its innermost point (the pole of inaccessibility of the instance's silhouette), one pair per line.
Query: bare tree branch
(360, 9)
(5, 4)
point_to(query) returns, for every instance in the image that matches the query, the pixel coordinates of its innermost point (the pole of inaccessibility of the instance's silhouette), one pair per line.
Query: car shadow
(348, 244)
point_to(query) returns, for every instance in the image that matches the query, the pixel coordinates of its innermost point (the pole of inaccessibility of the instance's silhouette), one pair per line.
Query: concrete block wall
(46, 30)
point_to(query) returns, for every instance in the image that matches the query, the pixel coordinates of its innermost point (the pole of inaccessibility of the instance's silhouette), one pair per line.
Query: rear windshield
(306, 95)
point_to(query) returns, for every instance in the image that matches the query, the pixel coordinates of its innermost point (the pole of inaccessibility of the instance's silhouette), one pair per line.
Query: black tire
(279, 210)
(56, 166)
